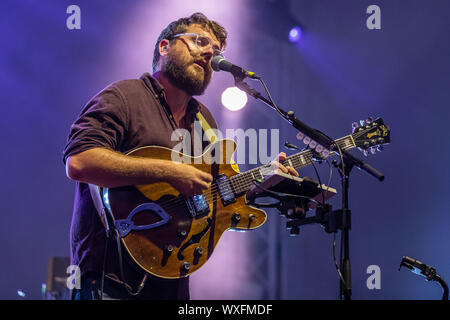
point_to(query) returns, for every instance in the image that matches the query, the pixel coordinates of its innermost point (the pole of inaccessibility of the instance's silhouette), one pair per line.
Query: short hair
(181, 25)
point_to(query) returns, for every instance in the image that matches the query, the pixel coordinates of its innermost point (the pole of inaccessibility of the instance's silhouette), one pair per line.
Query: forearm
(110, 169)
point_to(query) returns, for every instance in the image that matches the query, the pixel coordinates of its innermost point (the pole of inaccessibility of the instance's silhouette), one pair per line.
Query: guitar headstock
(370, 135)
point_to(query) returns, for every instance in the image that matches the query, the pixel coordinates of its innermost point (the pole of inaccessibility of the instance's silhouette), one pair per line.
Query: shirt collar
(154, 85)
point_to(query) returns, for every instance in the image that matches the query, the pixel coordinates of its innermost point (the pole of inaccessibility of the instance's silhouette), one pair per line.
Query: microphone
(219, 63)
(418, 267)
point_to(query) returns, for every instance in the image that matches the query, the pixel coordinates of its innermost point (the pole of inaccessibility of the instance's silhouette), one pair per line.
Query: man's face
(187, 66)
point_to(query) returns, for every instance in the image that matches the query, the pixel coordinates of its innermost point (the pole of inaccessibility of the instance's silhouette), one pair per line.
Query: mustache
(206, 65)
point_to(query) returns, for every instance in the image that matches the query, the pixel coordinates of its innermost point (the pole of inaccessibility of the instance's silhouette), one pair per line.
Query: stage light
(234, 99)
(295, 34)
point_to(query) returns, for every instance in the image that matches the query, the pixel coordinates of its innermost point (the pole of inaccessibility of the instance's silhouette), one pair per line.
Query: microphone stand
(348, 161)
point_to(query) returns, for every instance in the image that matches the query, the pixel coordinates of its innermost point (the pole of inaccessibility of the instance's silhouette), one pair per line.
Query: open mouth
(200, 64)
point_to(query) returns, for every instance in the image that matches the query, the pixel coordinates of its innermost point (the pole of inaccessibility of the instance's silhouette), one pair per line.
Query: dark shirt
(124, 116)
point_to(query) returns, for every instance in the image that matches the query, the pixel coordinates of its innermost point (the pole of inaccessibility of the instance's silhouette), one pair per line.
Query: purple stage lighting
(295, 34)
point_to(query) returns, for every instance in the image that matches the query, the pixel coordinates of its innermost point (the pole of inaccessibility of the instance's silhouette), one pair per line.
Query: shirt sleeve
(102, 123)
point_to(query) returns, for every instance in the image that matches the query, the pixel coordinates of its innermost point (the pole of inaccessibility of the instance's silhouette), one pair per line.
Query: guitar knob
(198, 251)
(182, 233)
(168, 248)
(251, 217)
(236, 217)
(186, 266)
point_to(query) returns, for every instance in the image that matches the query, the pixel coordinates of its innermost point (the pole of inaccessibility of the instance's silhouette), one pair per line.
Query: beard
(193, 83)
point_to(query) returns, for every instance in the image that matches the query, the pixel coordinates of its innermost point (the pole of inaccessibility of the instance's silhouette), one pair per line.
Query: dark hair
(181, 25)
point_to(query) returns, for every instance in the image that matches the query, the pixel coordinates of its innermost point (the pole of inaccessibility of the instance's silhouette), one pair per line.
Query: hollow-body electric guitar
(171, 236)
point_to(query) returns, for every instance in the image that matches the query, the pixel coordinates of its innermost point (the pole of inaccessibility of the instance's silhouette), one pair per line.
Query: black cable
(119, 251)
(334, 259)
(105, 254)
(444, 285)
(320, 184)
(270, 98)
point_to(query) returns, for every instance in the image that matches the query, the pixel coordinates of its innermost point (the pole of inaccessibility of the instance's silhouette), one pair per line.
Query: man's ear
(163, 47)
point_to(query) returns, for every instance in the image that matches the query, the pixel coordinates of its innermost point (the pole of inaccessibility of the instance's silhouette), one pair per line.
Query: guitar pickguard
(194, 239)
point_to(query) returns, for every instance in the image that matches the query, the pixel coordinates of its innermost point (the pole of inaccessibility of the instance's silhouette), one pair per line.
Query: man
(127, 115)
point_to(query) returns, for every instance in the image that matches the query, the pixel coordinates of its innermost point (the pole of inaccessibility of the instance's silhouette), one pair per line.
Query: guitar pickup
(197, 206)
(225, 189)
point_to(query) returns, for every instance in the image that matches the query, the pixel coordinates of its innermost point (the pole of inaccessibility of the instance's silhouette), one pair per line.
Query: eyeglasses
(202, 43)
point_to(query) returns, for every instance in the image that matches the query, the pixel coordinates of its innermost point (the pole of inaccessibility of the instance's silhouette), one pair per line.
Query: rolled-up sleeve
(102, 123)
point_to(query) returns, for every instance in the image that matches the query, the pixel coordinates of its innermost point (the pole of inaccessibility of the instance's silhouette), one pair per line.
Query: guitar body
(182, 242)
(171, 236)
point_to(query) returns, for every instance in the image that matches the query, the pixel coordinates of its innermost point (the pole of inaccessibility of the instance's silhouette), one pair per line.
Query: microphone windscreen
(215, 62)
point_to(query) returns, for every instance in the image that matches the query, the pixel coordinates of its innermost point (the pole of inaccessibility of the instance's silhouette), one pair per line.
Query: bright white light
(234, 99)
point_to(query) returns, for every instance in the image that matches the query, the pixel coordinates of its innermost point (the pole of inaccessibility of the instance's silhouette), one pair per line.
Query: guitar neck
(243, 181)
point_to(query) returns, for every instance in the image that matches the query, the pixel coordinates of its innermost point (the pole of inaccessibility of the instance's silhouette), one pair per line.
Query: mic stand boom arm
(347, 163)
(314, 134)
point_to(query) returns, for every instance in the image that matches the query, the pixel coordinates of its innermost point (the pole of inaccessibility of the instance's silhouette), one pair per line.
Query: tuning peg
(325, 153)
(300, 136)
(362, 123)
(373, 150)
(366, 152)
(355, 125)
(380, 148)
(369, 120)
(312, 144)
(319, 148)
(306, 140)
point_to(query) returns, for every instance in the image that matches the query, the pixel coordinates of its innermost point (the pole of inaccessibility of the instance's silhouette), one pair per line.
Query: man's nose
(207, 54)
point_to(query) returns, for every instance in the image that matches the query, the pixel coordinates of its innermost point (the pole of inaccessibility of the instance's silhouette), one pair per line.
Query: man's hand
(189, 180)
(285, 169)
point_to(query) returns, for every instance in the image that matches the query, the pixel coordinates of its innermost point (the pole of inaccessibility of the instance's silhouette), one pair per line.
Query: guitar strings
(244, 180)
(240, 183)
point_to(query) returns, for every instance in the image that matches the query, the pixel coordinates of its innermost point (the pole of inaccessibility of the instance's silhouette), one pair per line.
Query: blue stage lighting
(295, 34)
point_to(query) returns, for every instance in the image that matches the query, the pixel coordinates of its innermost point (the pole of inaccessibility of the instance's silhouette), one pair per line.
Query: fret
(346, 142)
(290, 162)
(243, 181)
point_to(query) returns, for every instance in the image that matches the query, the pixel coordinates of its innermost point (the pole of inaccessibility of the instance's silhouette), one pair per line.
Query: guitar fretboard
(242, 182)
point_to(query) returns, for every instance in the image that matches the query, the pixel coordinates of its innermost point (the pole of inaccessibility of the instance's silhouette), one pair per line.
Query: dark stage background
(338, 73)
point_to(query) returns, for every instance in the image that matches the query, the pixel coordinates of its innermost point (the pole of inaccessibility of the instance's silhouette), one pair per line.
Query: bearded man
(125, 116)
